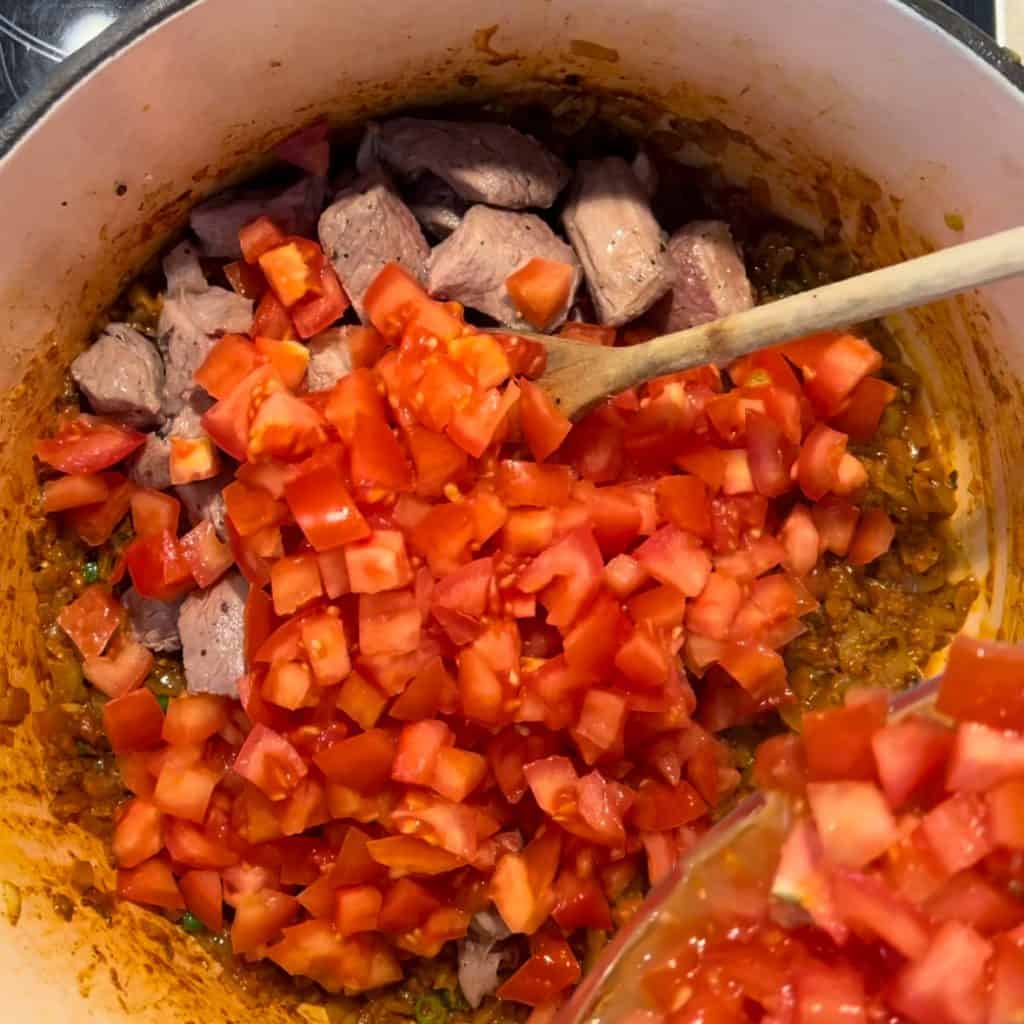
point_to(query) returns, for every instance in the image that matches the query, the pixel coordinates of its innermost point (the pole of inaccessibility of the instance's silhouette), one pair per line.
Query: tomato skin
(152, 883)
(550, 969)
(203, 896)
(270, 762)
(91, 619)
(982, 684)
(133, 721)
(87, 444)
(544, 426)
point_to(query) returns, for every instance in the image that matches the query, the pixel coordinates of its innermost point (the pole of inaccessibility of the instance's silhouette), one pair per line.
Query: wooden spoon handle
(914, 283)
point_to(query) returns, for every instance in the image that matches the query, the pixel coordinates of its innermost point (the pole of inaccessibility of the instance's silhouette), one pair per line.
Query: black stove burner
(36, 35)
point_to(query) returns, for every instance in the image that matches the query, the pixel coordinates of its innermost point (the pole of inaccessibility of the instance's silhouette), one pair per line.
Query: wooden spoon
(579, 375)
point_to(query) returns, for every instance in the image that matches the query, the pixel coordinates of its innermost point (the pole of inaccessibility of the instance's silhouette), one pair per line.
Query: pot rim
(33, 107)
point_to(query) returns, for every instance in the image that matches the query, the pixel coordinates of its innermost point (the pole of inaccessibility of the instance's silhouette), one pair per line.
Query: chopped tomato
(258, 237)
(475, 424)
(550, 969)
(289, 358)
(595, 334)
(295, 582)
(874, 535)
(158, 567)
(861, 414)
(208, 557)
(91, 619)
(316, 312)
(270, 762)
(544, 426)
(292, 269)
(541, 290)
(853, 820)
(95, 524)
(87, 444)
(227, 423)
(228, 363)
(123, 668)
(138, 834)
(133, 721)
(246, 279)
(203, 895)
(396, 303)
(151, 882)
(982, 683)
(284, 428)
(362, 762)
(74, 491)
(377, 460)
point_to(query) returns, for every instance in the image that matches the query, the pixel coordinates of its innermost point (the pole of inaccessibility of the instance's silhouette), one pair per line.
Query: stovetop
(36, 35)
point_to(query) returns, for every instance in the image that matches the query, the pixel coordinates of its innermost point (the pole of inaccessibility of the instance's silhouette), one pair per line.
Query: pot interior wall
(888, 121)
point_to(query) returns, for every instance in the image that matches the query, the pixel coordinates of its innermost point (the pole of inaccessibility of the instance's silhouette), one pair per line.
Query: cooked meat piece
(295, 210)
(710, 280)
(188, 321)
(188, 423)
(152, 623)
(150, 466)
(484, 163)
(182, 269)
(437, 206)
(472, 264)
(329, 358)
(367, 226)
(204, 500)
(121, 374)
(646, 173)
(212, 629)
(617, 239)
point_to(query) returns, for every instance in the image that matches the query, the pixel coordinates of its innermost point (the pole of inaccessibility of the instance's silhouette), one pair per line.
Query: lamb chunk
(204, 500)
(484, 163)
(212, 629)
(367, 226)
(295, 210)
(183, 270)
(121, 374)
(610, 224)
(187, 324)
(152, 623)
(150, 466)
(329, 358)
(710, 280)
(437, 206)
(472, 264)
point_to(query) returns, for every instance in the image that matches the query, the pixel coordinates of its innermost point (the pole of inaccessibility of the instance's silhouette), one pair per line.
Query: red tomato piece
(124, 667)
(675, 558)
(378, 563)
(289, 358)
(133, 721)
(259, 918)
(527, 484)
(138, 834)
(909, 755)
(476, 424)
(152, 882)
(540, 290)
(324, 306)
(437, 461)
(292, 269)
(838, 741)
(544, 426)
(403, 855)
(95, 524)
(207, 556)
(457, 773)
(324, 509)
(270, 762)
(957, 831)
(567, 575)
(416, 754)
(87, 444)
(377, 459)
(389, 623)
(1005, 804)
(295, 582)
(982, 683)
(91, 619)
(860, 416)
(873, 537)
(431, 690)
(817, 467)
(228, 422)
(550, 969)
(185, 792)
(659, 807)
(396, 303)
(827, 993)
(362, 762)
(357, 909)
(284, 428)
(74, 491)
(853, 820)
(246, 279)
(258, 237)
(228, 363)
(946, 984)
(407, 904)
(287, 684)
(839, 368)
(203, 895)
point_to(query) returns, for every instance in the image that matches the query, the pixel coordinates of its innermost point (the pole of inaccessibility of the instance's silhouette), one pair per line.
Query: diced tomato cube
(91, 619)
(270, 762)
(1006, 814)
(418, 747)
(853, 820)
(910, 754)
(838, 741)
(138, 834)
(153, 883)
(362, 762)
(957, 830)
(540, 290)
(544, 426)
(207, 556)
(133, 722)
(981, 683)
(378, 563)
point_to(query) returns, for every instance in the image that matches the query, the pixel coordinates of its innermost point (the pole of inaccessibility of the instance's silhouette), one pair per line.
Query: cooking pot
(896, 116)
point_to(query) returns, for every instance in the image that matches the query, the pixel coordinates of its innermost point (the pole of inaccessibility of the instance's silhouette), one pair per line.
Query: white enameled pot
(896, 113)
